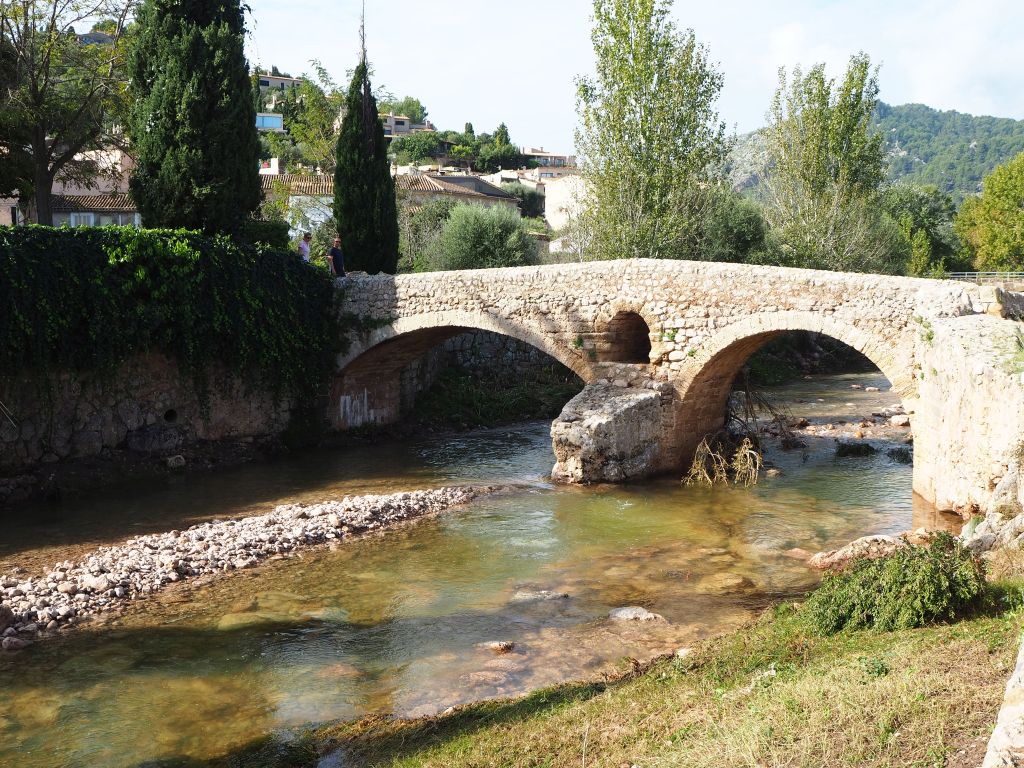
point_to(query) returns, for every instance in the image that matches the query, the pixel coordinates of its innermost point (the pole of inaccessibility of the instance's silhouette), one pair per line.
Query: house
(459, 187)
(308, 199)
(268, 81)
(402, 125)
(548, 164)
(95, 210)
(563, 201)
(523, 177)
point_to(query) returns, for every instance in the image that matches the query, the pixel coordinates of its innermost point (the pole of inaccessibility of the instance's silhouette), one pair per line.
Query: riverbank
(768, 694)
(35, 606)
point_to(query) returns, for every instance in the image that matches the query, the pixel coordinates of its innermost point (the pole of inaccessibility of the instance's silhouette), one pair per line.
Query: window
(264, 83)
(268, 121)
(82, 219)
(399, 122)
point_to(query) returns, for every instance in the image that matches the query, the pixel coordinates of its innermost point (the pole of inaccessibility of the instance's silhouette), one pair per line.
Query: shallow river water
(394, 624)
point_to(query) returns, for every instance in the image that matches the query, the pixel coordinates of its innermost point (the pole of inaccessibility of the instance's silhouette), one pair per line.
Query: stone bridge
(659, 343)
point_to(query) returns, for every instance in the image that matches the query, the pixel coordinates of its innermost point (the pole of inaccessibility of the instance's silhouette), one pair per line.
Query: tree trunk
(44, 202)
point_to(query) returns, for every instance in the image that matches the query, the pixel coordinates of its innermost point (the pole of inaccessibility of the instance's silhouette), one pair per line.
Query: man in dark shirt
(336, 259)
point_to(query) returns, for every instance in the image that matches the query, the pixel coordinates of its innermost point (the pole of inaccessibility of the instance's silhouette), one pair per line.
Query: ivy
(89, 299)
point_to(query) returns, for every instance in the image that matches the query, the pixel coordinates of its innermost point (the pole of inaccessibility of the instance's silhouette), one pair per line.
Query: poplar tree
(364, 190)
(650, 137)
(824, 167)
(193, 124)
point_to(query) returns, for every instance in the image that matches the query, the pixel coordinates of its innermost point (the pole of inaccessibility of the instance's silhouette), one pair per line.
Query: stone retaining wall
(146, 406)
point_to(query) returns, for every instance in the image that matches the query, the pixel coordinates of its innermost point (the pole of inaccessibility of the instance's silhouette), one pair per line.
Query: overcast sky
(488, 62)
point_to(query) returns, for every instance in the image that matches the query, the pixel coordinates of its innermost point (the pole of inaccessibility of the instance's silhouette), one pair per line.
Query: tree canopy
(824, 166)
(991, 226)
(409, 106)
(61, 94)
(650, 137)
(194, 137)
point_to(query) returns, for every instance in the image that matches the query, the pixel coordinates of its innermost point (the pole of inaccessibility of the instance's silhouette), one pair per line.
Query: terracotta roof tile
(299, 184)
(92, 203)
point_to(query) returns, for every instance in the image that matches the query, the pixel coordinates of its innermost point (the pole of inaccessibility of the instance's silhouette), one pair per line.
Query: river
(395, 624)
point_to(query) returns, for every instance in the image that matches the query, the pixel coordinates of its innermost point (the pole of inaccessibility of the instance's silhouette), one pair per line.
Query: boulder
(634, 613)
(867, 546)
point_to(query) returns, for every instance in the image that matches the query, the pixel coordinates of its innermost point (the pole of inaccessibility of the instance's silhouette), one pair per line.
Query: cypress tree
(364, 191)
(193, 122)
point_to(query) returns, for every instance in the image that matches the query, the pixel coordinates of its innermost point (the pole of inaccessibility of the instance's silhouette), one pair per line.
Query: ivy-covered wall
(108, 335)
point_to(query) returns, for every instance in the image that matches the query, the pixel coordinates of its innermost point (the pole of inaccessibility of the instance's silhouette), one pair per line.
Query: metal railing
(989, 278)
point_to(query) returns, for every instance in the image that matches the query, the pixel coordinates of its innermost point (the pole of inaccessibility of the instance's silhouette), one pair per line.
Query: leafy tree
(310, 118)
(463, 153)
(420, 226)
(992, 226)
(737, 231)
(409, 106)
(925, 216)
(501, 137)
(531, 202)
(824, 167)
(364, 191)
(475, 237)
(417, 146)
(493, 157)
(60, 93)
(650, 136)
(468, 131)
(193, 124)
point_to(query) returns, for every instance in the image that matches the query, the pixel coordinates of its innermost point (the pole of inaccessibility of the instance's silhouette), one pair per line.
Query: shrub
(88, 299)
(912, 587)
(474, 237)
(531, 202)
(273, 233)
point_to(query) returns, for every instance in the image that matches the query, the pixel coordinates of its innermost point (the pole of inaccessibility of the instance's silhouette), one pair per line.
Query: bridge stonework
(658, 344)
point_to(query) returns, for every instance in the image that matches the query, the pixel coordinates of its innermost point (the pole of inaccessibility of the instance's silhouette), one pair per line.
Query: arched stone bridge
(658, 344)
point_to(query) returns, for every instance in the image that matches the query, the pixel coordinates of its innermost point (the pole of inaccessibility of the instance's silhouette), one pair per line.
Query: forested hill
(951, 150)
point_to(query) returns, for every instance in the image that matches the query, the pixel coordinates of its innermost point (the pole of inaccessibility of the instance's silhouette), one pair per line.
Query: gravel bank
(32, 607)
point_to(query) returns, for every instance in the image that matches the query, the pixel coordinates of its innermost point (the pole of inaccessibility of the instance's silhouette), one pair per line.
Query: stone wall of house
(146, 406)
(703, 321)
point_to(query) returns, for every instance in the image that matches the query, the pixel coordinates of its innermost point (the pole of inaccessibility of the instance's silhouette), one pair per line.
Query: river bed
(397, 624)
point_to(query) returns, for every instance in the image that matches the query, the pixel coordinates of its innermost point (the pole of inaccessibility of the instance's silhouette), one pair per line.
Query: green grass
(771, 694)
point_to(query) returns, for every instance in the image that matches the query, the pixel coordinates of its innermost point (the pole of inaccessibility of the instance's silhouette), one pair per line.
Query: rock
(100, 583)
(867, 546)
(682, 653)
(853, 448)
(175, 462)
(773, 472)
(498, 646)
(723, 584)
(67, 588)
(531, 595)
(900, 420)
(871, 389)
(15, 643)
(6, 617)
(634, 613)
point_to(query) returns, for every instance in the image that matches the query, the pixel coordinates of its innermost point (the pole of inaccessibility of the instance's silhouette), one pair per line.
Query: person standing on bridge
(304, 246)
(336, 259)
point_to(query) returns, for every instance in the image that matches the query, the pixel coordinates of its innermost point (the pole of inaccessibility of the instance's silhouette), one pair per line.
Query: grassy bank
(771, 694)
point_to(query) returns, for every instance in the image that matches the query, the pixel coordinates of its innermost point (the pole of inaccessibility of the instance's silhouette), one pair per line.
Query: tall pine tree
(364, 191)
(193, 123)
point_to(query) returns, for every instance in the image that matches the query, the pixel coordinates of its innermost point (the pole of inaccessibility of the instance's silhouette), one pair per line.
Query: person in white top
(304, 246)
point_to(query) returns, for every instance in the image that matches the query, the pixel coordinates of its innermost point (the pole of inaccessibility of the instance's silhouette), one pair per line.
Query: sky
(489, 62)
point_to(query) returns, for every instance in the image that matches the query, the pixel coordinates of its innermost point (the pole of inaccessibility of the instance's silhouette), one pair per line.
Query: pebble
(102, 581)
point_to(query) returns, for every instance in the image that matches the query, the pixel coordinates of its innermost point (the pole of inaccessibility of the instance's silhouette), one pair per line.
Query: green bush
(88, 299)
(912, 587)
(273, 233)
(531, 202)
(475, 237)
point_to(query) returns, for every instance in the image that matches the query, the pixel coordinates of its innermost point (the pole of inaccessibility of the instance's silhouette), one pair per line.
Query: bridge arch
(704, 387)
(366, 389)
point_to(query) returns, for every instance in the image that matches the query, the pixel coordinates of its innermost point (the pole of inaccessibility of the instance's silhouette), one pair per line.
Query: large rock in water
(607, 434)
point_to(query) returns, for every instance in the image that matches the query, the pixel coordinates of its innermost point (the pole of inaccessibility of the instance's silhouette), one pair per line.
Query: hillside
(952, 150)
